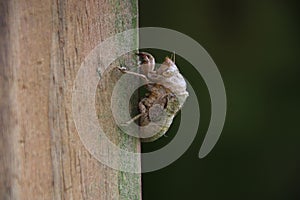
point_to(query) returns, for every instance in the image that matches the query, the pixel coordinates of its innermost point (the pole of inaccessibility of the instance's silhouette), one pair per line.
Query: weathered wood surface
(42, 44)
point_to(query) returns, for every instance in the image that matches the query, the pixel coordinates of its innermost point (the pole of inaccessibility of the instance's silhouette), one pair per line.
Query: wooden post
(42, 44)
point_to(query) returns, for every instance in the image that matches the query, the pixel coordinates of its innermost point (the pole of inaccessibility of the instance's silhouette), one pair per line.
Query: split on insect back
(166, 95)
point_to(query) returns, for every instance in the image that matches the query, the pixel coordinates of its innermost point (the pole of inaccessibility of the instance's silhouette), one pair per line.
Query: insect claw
(99, 72)
(122, 68)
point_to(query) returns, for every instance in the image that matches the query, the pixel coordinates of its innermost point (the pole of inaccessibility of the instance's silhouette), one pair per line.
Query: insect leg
(132, 120)
(144, 120)
(124, 70)
(143, 112)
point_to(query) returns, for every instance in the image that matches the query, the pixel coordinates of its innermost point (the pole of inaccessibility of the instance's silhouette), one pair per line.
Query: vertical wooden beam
(42, 44)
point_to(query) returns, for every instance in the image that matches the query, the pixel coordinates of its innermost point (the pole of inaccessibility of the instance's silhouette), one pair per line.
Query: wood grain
(42, 45)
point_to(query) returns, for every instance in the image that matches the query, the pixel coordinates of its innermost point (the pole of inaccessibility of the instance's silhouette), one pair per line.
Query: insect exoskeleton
(167, 94)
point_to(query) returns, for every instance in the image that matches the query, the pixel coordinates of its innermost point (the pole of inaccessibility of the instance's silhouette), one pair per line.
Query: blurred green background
(256, 46)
